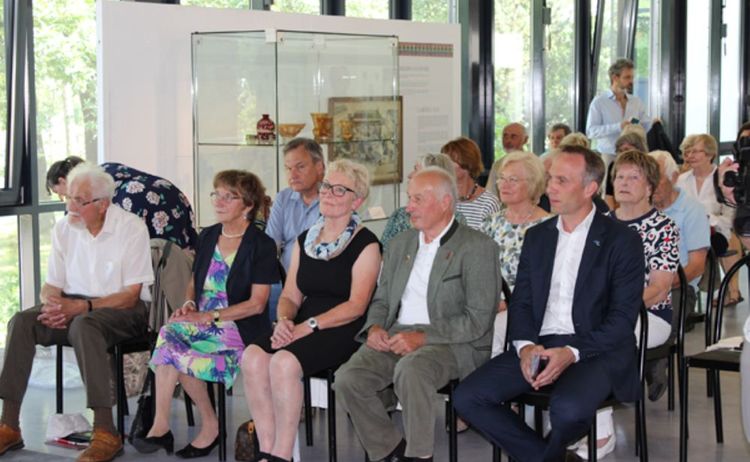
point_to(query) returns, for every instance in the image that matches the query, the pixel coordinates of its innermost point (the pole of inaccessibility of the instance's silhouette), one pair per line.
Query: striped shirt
(477, 210)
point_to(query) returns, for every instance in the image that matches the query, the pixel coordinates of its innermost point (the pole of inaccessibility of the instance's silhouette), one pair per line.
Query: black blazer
(606, 301)
(255, 263)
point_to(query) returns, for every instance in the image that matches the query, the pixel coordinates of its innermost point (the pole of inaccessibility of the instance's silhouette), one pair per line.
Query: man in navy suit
(577, 296)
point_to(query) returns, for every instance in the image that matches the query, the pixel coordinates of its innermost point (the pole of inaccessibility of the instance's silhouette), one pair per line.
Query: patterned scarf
(327, 250)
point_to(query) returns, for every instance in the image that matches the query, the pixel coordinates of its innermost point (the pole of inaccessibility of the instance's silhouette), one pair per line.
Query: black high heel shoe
(147, 445)
(191, 452)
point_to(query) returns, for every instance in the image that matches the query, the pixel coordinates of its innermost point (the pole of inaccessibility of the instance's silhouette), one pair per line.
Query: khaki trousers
(91, 335)
(416, 377)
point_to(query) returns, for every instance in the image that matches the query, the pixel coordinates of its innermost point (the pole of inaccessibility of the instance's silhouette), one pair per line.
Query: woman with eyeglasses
(332, 276)
(700, 182)
(159, 203)
(224, 310)
(520, 184)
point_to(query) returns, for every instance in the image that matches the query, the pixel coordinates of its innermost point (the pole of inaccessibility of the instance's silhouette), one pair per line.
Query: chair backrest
(712, 263)
(642, 344)
(506, 296)
(723, 288)
(681, 311)
(172, 273)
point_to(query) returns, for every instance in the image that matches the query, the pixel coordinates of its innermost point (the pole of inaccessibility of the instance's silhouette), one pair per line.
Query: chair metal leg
(59, 379)
(709, 385)
(683, 412)
(331, 418)
(452, 428)
(592, 440)
(497, 453)
(539, 420)
(222, 421)
(308, 411)
(189, 410)
(119, 391)
(670, 382)
(717, 408)
(642, 437)
(211, 395)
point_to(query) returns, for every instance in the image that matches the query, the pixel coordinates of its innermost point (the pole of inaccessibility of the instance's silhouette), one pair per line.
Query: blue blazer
(606, 301)
(255, 263)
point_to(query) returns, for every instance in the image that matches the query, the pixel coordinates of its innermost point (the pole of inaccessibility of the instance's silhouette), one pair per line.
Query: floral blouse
(660, 238)
(164, 208)
(510, 239)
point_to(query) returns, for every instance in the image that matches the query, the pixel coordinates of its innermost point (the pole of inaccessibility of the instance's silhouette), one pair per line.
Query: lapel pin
(597, 243)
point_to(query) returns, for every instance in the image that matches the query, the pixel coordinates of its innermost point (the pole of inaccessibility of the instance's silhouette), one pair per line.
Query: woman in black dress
(331, 279)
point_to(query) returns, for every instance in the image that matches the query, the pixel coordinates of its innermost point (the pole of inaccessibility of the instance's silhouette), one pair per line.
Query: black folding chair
(713, 362)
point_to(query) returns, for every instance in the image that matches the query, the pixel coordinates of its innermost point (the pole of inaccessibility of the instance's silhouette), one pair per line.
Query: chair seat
(723, 360)
(137, 344)
(662, 351)
(540, 398)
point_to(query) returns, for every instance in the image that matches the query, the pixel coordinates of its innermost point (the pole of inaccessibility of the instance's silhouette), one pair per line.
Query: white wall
(144, 80)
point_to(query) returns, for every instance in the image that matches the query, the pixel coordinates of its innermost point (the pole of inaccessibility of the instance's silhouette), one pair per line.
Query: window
(512, 52)
(642, 49)
(430, 10)
(218, 3)
(697, 66)
(3, 107)
(373, 9)
(296, 6)
(65, 83)
(10, 293)
(608, 53)
(559, 64)
(730, 72)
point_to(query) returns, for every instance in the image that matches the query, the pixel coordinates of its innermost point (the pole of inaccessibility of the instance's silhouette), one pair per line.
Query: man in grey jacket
(429, 322)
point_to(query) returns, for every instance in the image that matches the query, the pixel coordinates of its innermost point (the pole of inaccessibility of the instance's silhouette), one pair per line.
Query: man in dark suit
(577, 296)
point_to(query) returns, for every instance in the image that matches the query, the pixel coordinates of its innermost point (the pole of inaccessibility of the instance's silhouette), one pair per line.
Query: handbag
(246, 444)
(144, 415)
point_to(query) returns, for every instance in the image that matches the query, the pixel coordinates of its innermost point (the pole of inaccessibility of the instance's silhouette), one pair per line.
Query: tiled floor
(662, 425)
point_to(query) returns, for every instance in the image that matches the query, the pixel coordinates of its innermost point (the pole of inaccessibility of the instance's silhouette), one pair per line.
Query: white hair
(670, 166)
(102, 184)
(446, 185)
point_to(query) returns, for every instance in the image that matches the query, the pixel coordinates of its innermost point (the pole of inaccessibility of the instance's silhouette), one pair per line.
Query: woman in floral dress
(520, 183)
(225, 310)
(160, 204)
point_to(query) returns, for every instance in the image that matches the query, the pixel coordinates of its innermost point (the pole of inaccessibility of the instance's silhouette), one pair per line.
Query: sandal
(729, 302)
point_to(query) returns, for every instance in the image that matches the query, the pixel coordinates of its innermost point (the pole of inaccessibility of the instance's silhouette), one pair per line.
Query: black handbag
(246, 446)
(144, 415)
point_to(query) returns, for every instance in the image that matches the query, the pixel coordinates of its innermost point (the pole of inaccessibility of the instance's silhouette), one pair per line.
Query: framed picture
(369, 131)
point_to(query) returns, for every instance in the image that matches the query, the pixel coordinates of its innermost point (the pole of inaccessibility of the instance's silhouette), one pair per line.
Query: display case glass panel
(299, 80)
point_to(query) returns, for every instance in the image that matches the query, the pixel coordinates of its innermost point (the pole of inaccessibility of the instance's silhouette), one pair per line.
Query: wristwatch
(313, 323)
(217, 315)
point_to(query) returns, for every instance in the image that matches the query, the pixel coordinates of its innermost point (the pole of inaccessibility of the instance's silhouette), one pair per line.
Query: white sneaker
(583, 448)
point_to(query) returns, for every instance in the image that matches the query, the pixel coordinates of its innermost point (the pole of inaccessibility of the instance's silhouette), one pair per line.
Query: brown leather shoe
(104, 447)
(10, 439)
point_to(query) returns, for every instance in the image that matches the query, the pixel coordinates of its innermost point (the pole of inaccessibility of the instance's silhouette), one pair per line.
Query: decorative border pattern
(431, 50)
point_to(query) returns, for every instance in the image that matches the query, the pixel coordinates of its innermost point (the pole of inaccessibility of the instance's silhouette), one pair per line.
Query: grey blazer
(463, 292)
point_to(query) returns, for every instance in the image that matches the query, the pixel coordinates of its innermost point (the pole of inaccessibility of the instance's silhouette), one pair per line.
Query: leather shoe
(149, 444)
(104, 447)
(191, 452)
(10, 439)
(571, 456)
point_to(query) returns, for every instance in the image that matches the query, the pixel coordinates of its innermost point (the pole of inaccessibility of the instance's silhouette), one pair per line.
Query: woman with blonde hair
(700, 153)
(331, 278)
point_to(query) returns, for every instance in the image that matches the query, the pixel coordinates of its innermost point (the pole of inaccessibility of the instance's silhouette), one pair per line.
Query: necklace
(231, 236)
(468, 196)
(522, 219)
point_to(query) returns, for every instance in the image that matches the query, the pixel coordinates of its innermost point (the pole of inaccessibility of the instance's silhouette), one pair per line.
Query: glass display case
(255, 90)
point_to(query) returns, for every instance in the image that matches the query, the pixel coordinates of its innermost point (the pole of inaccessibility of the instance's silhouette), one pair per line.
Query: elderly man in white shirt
(98, 274)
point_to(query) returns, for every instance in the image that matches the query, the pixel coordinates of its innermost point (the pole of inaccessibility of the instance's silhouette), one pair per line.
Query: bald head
(432, 198)
(514, 137)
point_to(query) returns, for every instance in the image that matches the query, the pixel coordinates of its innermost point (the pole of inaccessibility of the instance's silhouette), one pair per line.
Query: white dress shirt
(414, 300)
(558, 315)
(96, 266)
(603, 125)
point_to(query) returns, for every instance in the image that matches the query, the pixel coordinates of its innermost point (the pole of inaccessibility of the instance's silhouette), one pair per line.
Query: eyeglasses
(78, 201)
(218, 197)
(511, 180)
(337, 190)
